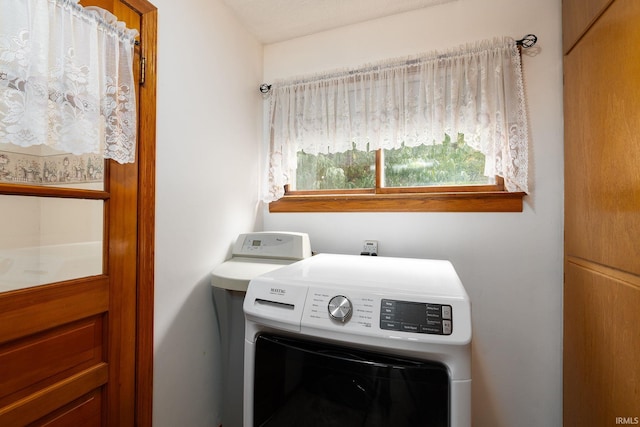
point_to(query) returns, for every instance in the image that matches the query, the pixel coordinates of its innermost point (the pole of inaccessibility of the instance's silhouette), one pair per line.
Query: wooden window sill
(485, 201)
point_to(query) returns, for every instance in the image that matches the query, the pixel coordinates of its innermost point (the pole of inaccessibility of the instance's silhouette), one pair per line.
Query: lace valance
(476, 90)
(66, 78)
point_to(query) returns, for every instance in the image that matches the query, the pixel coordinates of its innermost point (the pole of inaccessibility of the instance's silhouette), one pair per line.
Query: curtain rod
(526, 42)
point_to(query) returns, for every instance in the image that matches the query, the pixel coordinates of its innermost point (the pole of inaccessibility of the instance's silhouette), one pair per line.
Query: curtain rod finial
(265, 88)
(527, 41)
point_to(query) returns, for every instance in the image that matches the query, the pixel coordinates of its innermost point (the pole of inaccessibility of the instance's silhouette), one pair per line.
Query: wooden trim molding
(625, 278)
(499, 201)
(146, 214)
(41, 191)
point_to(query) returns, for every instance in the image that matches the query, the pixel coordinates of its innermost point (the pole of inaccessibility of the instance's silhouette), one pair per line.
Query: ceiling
(277, 20)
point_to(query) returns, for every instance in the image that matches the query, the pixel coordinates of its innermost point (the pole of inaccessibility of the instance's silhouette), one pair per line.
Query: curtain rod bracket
(527, 41)
(265, 88)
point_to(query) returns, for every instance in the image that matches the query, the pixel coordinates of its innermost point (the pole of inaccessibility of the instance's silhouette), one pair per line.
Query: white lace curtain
(476, 90)
(66, 78)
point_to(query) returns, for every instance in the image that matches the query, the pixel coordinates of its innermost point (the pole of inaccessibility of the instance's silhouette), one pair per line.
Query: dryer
(338, 340)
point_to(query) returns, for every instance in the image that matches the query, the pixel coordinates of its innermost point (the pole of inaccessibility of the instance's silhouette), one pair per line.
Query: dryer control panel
(417, 317)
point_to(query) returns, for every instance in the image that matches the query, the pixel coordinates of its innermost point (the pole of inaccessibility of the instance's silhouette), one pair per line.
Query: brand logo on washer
(278, 291)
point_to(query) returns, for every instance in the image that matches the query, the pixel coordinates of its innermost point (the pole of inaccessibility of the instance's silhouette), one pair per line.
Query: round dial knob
(340, 308)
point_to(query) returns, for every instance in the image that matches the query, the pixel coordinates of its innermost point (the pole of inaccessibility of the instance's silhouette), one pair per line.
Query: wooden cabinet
(601, 371)
(577, 17)
(602, 211)
(602, 142)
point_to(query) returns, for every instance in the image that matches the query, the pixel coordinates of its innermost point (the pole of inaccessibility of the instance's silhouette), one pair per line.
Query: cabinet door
(577, 17)
(602, 217)
(602, 141)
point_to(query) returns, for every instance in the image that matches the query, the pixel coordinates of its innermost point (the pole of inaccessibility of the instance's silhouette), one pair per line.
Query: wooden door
(79, 352)
(601, 360)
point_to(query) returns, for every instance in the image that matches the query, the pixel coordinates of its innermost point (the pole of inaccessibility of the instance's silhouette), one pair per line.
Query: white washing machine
(253, 254)
(347, 340)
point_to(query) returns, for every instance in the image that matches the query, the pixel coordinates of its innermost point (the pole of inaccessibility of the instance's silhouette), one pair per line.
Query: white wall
(208, 141)
(510, 263)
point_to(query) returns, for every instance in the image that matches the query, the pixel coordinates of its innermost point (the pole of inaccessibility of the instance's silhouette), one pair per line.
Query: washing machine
(253, 254)
(347, 340)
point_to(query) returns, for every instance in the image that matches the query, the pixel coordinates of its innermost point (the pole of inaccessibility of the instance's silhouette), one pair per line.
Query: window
(436, 133)
(452, 163)
(347, 182)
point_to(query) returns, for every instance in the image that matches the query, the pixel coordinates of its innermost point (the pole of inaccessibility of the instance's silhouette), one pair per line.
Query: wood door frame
(146, 213)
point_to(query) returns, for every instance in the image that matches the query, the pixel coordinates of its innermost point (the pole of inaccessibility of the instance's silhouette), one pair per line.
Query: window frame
(462, 198)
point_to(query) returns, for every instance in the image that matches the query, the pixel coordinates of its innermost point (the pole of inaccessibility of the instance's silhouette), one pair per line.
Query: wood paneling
(29, 311)
(601, 340)
(49, 399)
(32, 363)
(602, 141)
(577, 17)
(84, 412)
(601, 361)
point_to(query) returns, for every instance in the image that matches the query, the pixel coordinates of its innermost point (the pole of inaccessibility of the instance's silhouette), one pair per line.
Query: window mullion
(379, 169)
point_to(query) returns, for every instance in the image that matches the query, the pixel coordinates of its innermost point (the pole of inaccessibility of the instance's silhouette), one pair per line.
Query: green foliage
(449, 163)
(351, 169)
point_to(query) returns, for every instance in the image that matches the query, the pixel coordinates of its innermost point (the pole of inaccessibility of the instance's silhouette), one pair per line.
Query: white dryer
(336, 340)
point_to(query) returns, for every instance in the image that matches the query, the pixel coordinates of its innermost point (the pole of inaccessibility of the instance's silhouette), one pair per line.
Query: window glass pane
(41, 165)
(451, 163)
(351, 169)
(46, 240)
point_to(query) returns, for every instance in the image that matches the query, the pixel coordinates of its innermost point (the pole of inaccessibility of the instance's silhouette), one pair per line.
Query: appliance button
(410, 327)
(446, 327)
(430, 329)
(446, 312)
(394, 326)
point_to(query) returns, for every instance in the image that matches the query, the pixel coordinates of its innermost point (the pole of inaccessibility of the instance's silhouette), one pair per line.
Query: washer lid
(236, 273)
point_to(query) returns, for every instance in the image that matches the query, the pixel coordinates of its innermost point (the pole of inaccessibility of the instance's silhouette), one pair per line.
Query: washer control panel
(416, 317)
(355, 311)
(360, 311)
